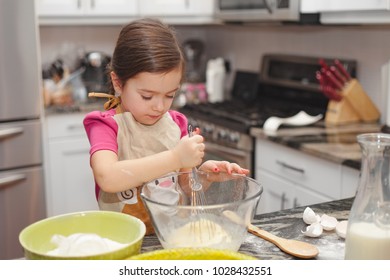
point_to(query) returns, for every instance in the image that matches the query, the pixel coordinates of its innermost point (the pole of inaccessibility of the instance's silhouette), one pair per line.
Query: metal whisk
(202, 228)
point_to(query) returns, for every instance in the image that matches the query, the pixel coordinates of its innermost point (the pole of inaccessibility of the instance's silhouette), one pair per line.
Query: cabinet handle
(282, 201)
(296, 204)
(79, 4)
(5, 133)
(288, 166)
(268, 6)
(187, 3)
(11, 179)
(93, 4)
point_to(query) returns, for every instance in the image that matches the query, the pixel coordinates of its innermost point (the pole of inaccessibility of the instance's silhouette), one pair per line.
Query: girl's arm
(113, 176)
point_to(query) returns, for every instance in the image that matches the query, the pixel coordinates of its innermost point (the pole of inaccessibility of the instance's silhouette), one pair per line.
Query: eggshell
(328, 222)
(313, 230)
(309, 216)
(341, 228)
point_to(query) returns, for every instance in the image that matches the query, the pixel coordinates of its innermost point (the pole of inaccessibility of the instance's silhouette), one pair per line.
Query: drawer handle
(288, 166)
(296, 203)
(5, 133)
(75, 127)
(11, 179)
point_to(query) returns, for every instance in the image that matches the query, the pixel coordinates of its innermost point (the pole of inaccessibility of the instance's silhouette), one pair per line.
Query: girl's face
(148, 96)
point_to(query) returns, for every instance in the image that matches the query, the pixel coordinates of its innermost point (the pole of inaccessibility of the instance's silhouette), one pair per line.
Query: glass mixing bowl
(214, 217)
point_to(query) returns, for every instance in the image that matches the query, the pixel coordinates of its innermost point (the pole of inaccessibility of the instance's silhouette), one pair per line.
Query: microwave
(261, 10)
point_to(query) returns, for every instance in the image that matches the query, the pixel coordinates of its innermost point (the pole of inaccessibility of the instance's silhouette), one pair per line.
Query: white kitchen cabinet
(349, 11)
(179, 11)
(86, 11)
(70, 185)
(291, 178)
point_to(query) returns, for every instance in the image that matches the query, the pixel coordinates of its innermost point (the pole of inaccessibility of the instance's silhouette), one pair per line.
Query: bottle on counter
(368, 232)
(215, 79)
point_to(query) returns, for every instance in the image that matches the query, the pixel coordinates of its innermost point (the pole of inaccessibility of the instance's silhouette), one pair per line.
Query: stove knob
(222, 134)
(208, 129)
(234, 137)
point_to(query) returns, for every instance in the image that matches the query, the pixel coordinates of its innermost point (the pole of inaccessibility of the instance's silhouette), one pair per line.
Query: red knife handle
(337, 74)
(342, 69)
(336, 83)
(323, 64)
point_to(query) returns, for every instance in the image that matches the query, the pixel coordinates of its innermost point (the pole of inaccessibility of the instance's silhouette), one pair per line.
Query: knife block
(355, 106)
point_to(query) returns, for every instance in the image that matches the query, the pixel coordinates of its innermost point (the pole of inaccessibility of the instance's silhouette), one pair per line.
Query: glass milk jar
(368, 232)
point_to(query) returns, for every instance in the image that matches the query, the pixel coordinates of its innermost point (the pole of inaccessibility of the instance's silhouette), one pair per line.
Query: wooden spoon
(293, 247)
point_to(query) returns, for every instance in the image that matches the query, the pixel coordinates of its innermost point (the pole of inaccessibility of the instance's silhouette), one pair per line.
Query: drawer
(20, 144)
(22, 202)
(65, 125)
(314, 173)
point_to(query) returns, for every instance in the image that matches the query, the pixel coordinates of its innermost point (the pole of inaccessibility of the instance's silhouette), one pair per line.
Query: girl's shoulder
(98, 117)
(181, 121)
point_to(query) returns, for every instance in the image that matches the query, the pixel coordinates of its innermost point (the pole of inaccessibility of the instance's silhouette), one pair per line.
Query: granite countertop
(83, 107)
(334, 143)
(287, 224)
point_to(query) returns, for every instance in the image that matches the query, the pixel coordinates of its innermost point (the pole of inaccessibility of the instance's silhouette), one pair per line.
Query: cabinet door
(277, 194)
(176, 7)
(22, 202)
(319, 175)
(71, 185)
(60, 7)
(303, 197)
(113, 7)
(344, 5)
(349, 181)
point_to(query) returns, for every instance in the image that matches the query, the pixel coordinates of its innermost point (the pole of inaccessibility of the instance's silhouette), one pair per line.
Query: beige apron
(135, 141)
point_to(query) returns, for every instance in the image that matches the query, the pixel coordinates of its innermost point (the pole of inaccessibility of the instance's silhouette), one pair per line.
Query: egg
(328, 222)
(313, 230)
(341, 228)
(309, 217)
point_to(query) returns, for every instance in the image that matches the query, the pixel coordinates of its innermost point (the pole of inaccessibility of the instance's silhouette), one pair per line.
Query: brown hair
(146, 45)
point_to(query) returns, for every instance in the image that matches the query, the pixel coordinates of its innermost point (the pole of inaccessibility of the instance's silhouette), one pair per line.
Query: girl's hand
(223, 166)
(189, 151)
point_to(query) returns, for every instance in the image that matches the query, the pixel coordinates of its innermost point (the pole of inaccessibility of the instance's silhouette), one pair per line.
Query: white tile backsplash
(245, 45)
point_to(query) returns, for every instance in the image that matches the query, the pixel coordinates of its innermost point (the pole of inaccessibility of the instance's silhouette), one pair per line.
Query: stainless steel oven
(258, 10)
(252, 11)
(227, 144)
(285, 86)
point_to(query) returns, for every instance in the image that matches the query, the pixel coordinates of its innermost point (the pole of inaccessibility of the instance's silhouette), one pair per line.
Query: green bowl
(119, 227)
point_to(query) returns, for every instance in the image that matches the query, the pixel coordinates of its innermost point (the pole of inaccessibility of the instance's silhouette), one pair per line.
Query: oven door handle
(224, 149)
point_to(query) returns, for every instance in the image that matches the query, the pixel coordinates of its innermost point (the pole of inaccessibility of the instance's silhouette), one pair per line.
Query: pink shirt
(102, 130)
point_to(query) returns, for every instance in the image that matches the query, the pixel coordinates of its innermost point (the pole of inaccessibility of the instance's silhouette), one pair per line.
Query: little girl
(138, 138)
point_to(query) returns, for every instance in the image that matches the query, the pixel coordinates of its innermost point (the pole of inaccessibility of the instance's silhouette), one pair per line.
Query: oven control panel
(222, 135)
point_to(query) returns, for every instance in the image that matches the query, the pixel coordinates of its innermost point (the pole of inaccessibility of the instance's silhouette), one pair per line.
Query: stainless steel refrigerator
(22, 198)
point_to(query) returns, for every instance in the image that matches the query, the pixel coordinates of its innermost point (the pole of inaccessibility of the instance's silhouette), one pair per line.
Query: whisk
(202, 228)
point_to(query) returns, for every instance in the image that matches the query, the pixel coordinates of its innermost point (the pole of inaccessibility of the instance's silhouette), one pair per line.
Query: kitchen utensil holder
(355, 106)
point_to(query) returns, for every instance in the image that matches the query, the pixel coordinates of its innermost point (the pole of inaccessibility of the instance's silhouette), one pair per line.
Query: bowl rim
(168, 254)
(141, 235)
(204, 207)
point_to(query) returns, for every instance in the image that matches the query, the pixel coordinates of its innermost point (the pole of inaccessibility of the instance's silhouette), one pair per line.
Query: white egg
(310, 217)
(341, 228)
(313, 230)
(328, 222)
